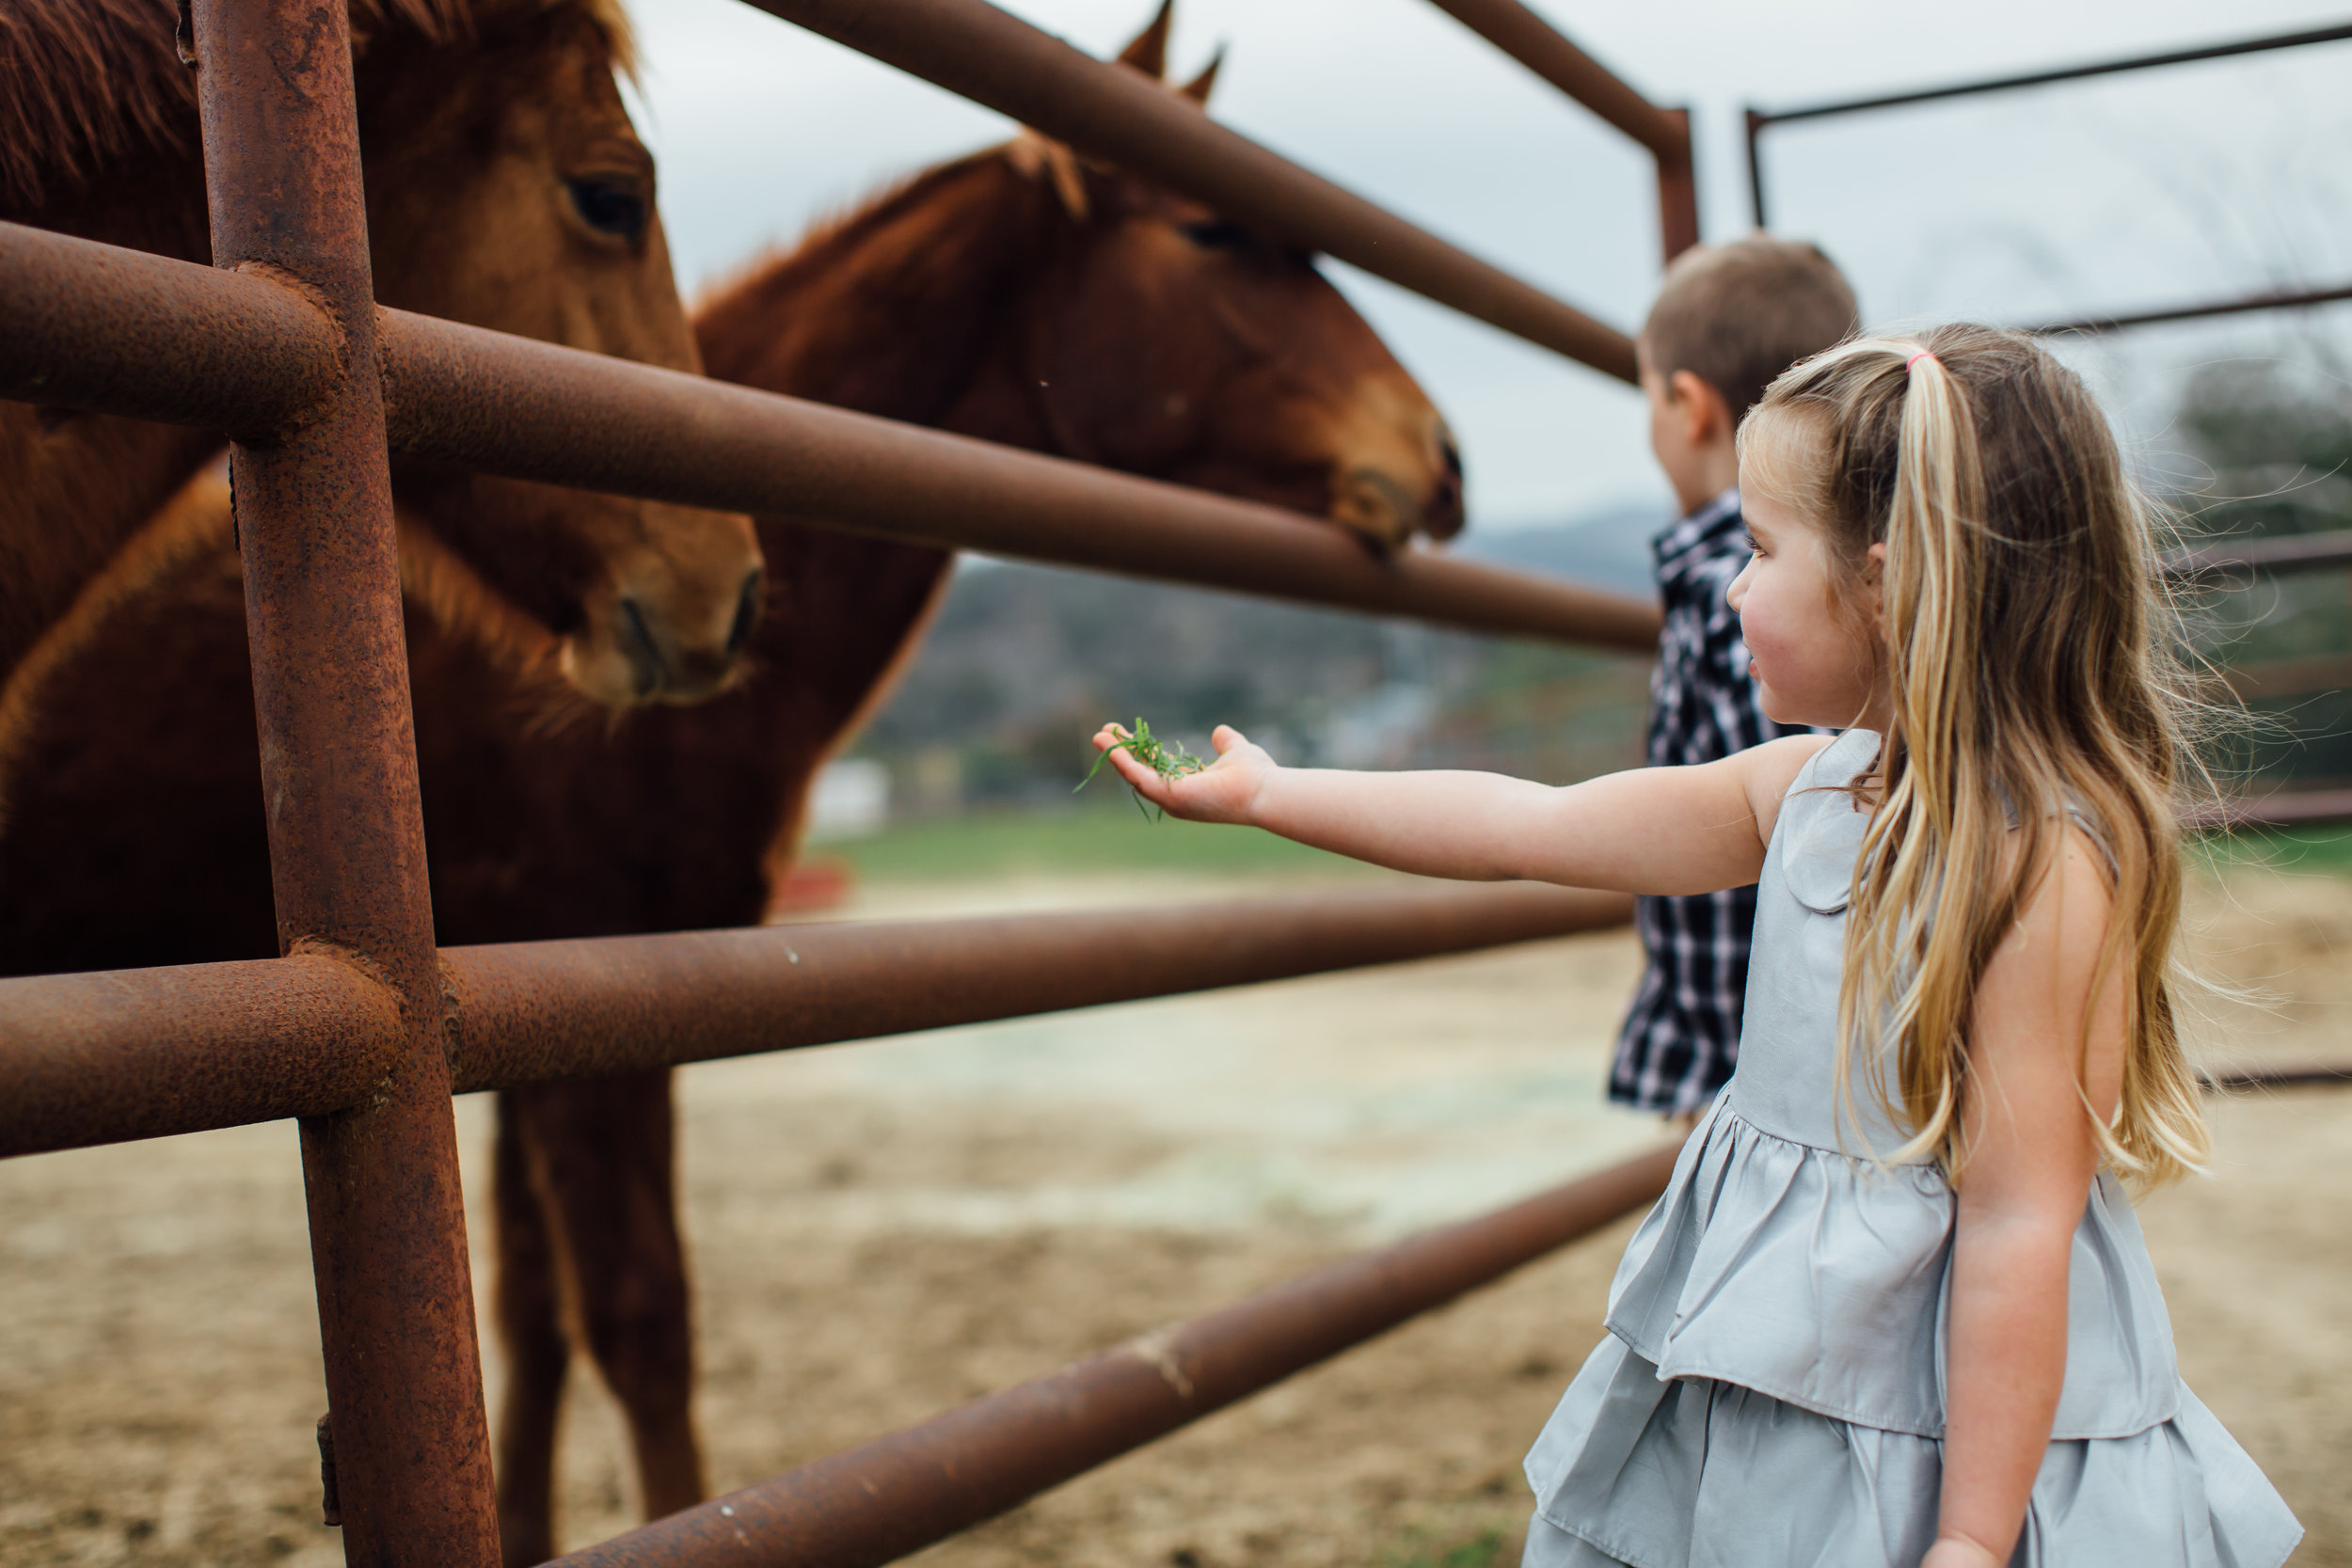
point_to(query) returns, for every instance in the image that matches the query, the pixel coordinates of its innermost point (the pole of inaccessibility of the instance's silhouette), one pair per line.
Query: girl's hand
(1958, 1551)
(1225, 791)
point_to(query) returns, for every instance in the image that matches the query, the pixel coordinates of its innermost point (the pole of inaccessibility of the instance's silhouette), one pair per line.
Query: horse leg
(609, 1174)
(538, 1353)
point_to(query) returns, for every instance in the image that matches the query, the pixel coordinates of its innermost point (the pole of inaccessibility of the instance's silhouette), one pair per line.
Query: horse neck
(894, 310)
(898, 311)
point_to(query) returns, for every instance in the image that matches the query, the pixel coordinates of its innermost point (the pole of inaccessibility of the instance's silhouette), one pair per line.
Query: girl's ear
(1874, 584)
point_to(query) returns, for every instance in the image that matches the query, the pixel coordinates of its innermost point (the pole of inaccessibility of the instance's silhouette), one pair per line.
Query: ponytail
(2027, 682)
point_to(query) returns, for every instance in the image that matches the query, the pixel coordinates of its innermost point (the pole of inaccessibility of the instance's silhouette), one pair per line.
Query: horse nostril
(643, 653)
(1450, 454)
(747, 608)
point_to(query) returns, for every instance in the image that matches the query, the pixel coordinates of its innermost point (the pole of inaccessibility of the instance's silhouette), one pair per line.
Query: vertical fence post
(1677, 191)
(331, 688)
(1756, 121)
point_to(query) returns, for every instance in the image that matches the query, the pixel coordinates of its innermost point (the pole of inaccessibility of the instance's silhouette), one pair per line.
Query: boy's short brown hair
(1736, 315)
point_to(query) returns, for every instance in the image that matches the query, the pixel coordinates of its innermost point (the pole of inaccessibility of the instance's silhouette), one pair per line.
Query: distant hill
(1022, 662)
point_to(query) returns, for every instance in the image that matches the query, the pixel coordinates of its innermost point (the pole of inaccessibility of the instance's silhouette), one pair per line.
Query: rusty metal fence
(363, 1031)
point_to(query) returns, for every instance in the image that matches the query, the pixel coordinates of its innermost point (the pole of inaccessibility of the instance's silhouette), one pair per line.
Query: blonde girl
(1894, 1307)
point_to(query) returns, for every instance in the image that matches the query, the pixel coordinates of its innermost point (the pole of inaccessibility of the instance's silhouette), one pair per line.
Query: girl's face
(1813, 652)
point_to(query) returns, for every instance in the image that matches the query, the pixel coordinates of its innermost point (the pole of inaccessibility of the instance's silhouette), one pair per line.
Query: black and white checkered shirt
(1682, 1034)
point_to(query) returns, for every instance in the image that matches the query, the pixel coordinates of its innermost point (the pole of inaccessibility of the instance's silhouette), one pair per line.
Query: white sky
(2182, 184)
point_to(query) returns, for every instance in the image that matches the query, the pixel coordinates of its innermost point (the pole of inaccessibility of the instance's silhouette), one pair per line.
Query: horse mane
(85, 84)
(846, 228)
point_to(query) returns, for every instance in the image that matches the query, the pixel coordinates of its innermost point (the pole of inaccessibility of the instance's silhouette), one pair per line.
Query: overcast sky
(2187, 184)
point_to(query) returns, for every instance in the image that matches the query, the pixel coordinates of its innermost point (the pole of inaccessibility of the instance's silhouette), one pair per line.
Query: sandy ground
(885, 1229)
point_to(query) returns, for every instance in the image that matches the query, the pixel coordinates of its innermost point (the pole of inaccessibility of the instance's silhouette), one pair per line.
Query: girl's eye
(1754, 548)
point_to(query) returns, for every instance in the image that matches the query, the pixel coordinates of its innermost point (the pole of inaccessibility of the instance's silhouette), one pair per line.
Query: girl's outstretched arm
(2031, 1157)
(1653, 830)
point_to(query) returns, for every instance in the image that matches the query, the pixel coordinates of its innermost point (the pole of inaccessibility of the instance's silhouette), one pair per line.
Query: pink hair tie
(1923, 354)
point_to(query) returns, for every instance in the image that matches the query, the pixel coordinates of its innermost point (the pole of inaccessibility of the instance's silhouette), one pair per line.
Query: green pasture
(1085, 841)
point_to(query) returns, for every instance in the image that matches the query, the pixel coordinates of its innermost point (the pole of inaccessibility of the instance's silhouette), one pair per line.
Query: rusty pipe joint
(93, 328)
(148, 1053)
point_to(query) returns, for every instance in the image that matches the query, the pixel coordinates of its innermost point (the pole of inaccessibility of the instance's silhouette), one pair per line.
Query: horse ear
(1148, 51)
(1041, 157)
(1199, 88)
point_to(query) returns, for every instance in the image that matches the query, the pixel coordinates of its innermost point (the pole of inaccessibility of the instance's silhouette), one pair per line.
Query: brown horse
(1019, 296)
(505, 188)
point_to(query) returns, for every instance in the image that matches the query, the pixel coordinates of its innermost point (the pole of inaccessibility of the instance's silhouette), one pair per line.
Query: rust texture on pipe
(979, 52)
(142, 1053)
(891, 1497)
(530, 1011)
(468, 398)
(339, 770)
(99, 329)
(1544, 50)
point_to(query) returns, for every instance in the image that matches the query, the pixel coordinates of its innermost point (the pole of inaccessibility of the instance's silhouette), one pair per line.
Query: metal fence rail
(138, 1053)
(977, 52)
(464, 396)
(1528, 39)
(898, 1494)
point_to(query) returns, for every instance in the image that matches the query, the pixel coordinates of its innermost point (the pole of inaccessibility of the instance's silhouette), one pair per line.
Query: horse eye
(1217, 235)
(609, 208)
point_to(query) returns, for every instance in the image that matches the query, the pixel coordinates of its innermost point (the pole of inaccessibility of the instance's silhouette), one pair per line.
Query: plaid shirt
(1682, 1035)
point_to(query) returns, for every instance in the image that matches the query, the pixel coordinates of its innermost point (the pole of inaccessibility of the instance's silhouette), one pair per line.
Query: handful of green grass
(1170, 759)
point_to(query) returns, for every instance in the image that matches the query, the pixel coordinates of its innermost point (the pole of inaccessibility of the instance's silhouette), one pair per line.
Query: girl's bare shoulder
(1767, 771)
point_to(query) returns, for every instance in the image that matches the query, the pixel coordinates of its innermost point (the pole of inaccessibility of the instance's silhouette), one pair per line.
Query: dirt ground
(886, 1228)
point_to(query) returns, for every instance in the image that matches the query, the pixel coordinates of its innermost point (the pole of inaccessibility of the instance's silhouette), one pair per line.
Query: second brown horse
(1017, 295)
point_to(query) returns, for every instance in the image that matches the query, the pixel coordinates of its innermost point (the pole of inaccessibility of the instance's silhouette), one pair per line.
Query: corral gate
(363, 1030)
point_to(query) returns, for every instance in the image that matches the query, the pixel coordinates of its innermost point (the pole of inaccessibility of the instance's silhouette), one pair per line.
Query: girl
(1894, 1307)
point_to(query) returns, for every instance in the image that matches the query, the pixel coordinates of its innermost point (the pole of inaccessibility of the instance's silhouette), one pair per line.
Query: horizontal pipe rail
(2293, 808)
(2062, 74)
(96, 329)
(1528, 39)
(878, 1502)
(462, 397)
(977, 52)
(142, 1053)
(2301, 1075)
(2273, 554)
(2269, 299)
(481, 400)
(132, 1053)
(528, 1011)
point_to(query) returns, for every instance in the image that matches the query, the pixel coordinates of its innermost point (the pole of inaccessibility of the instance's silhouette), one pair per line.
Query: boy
(1729, 319)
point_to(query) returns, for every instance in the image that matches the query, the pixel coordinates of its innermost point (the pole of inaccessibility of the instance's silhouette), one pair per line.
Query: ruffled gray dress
(1770, 1392)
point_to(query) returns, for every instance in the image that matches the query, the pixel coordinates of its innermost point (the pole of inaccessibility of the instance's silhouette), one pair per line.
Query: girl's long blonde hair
(2029, 668)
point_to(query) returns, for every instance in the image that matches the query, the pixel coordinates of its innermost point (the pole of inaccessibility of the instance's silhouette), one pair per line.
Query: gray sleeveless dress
(1770, 1392)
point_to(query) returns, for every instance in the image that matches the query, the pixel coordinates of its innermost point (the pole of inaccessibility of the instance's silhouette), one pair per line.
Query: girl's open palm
(1221, 792)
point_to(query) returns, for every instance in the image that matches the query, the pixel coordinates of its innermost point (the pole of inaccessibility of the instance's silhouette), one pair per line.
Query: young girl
(1894, 1307)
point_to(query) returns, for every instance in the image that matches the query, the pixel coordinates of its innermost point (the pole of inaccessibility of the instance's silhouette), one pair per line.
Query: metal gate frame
(362, 1030)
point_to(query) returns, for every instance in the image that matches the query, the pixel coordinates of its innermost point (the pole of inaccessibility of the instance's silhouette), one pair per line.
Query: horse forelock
(89, 83)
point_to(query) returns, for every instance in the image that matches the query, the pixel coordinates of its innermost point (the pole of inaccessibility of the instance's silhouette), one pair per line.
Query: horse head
(506, 189)
(1163, 339)
(515, 194)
